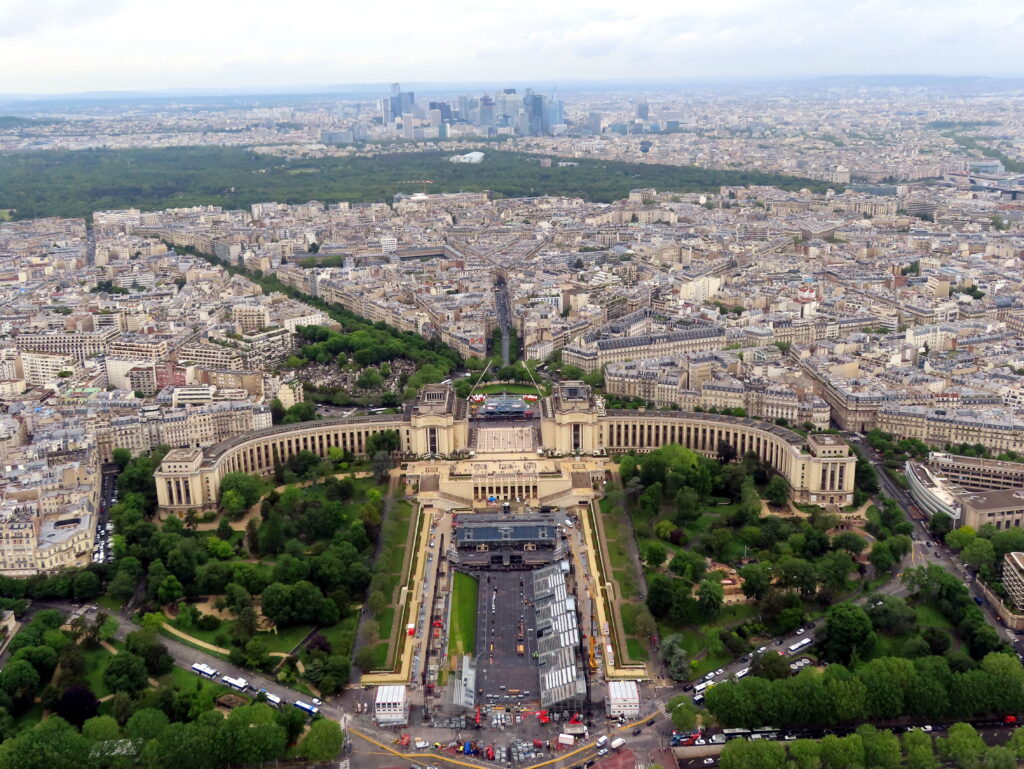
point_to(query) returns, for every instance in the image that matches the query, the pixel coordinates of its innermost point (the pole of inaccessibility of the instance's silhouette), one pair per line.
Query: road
(503, 306)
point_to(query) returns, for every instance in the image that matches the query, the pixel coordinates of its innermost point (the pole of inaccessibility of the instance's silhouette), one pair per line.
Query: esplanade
(570, 423)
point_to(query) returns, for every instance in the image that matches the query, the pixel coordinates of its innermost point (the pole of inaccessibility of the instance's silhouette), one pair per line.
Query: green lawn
(628, 612)
(186, 680)
(342, 636)
(929, 615)
(285, 639)
(516, 389)
(626, 582)
(96, 661)
(636, 651)
(386, 620)
(380, 656)
(6, 214)
(209, 636)
(462, 630)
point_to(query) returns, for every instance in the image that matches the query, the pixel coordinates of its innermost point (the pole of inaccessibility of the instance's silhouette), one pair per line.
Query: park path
(195, 641)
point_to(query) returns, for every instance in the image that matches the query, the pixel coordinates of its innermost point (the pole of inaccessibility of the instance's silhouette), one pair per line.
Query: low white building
(623, 699)
(391, 706)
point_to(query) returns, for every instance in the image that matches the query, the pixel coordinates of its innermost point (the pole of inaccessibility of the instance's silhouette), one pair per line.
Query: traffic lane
(185, 656)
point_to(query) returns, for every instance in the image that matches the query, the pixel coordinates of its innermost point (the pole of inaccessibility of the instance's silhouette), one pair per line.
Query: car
(811, 624)
(926, 728)
(708, 761)
(743, 672)
(745, 658)
(789, 737)
(720, 671)
(651, 722)
(709, 676)
(603, 752)
(636, 732)
(590, 763)
(801, 631)
(317, 702)
(794, 667)
(762, 649)
(700, 742)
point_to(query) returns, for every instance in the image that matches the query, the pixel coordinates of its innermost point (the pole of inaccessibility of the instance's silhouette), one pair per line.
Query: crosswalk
(343, 764)
(638, 764)
(659, 706)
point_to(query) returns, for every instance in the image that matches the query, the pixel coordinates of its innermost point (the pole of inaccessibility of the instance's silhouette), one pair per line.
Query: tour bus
(803, 642)
(235, 683)
(272, 699)
(204, 670)
(735, 733)
(698, 688)
(313, 711)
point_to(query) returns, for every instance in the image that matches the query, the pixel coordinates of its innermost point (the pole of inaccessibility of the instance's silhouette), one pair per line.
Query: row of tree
(883, 689)
(871, 748)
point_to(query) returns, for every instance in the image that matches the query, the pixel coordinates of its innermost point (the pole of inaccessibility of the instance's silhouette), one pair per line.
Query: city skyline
(128, 47)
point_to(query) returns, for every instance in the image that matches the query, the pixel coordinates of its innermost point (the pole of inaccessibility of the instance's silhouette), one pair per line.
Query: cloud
(69, 45)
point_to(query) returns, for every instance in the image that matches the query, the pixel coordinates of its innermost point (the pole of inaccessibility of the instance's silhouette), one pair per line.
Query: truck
(617, 743)
(520, 649)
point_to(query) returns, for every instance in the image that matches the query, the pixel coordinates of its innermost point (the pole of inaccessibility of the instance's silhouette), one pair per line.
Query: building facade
(819, 467)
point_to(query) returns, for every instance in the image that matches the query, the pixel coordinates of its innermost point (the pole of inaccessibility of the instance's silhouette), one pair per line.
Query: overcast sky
(65, 46)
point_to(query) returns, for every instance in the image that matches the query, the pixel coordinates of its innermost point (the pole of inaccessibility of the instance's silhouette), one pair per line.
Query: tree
(50, 744)
(655, 554)
(940, 524)
(19, 679)
(847, 632)
(710, 597)
(849, 541)
(757, 578)
(122, 457)
(323, 741)
(673, 653)
(962, 745)
(777, 491)
(770, 665)
(292, 720)
(920, 753)
(77, 704)
(101, 729)
(233, 503)
(760, 754)
(882, 557)
(146, 724)
(86, 586)
(381, 465)
(170, 590)
(960, 538)
(978, 553)
(126, 673)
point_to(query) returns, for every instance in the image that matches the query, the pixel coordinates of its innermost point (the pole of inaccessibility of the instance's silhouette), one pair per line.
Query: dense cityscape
(569, 426)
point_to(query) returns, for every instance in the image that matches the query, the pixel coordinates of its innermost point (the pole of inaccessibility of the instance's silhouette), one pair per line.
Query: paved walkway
(195, 641)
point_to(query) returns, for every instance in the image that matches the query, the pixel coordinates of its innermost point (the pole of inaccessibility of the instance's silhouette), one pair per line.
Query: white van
(602, 740)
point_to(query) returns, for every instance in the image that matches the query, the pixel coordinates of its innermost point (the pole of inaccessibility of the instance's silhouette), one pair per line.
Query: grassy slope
(463, 621)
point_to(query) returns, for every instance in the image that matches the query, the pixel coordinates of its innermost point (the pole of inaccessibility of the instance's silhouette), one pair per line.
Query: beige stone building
(819, 468)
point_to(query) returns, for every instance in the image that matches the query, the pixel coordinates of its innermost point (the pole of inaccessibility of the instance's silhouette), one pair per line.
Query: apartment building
(78, 344)
(39, 368)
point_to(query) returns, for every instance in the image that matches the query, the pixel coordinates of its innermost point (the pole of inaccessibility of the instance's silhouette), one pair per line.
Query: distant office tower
(594, 123)
(384, 106)
(434, 117)
(407, 130)
(643, 110)
(465, 108)
(445, 109)
(486, 111)
(402, 102)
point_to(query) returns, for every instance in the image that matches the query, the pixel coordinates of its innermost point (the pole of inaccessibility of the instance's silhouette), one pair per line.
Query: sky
(73, 46)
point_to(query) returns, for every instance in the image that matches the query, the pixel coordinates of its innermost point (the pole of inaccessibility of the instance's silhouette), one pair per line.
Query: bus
(698, 688)
(802, 643)
(204, 670)
(272, 699)
(235, 683)
(735, 733)
(312, 710)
